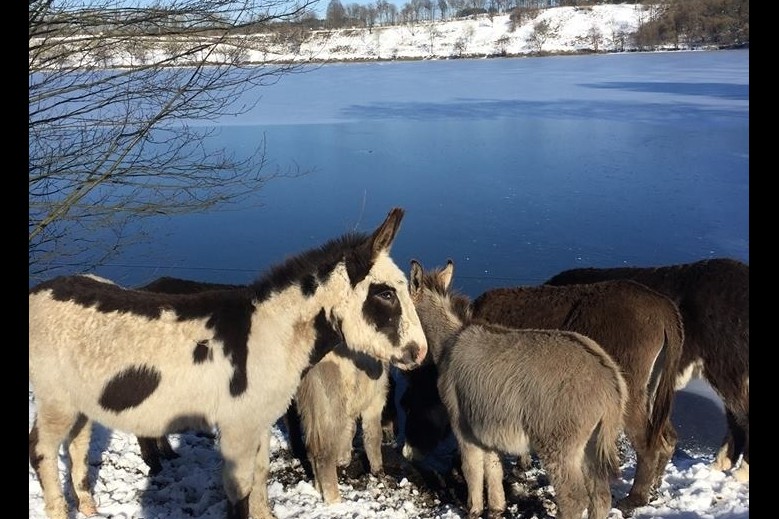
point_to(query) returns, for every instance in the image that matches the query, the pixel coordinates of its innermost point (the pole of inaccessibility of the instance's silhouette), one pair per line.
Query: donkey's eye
(383, 292)
(387, 295)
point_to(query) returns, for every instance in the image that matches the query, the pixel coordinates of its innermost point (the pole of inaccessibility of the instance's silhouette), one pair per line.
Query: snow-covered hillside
(603, 28)
(600, 28)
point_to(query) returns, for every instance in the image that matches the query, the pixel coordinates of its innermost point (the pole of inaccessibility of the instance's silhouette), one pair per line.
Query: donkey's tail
(663, 379)
(609, 429)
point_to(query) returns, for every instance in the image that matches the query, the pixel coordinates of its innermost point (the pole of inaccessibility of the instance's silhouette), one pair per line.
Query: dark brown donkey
(713, 297)
(641, 330)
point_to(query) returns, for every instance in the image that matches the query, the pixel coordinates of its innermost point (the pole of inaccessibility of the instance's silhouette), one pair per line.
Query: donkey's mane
(309, 267)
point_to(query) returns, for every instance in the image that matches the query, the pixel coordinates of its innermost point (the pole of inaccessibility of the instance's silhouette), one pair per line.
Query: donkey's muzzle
(412, 356)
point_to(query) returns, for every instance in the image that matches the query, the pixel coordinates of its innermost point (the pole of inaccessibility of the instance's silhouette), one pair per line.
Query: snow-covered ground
(191, 485)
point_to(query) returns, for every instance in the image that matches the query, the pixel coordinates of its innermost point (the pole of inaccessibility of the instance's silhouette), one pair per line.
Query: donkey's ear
(415, 277)
(445, 274)
(384, 236)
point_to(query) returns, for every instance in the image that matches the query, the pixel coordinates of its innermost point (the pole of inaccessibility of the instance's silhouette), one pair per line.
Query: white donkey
(149, 363)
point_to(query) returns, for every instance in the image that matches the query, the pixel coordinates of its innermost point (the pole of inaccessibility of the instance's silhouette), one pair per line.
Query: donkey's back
(81, 328)
(555, 393)
(542, 385)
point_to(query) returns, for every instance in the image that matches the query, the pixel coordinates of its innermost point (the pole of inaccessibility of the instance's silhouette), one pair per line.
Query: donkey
(342, 388)
(509, 390)
(151, 364)
(713, 297)
(639, 328)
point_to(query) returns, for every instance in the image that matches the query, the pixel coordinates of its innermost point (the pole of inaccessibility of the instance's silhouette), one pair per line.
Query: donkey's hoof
(723, 464)
(741, 474)
(628, 504)
(722, 461)
(87, 507)
(57, 510)
(332, 499)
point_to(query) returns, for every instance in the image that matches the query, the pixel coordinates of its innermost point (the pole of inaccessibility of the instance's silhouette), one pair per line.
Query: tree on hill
(336, 14)
(109, 147)
(696, 23)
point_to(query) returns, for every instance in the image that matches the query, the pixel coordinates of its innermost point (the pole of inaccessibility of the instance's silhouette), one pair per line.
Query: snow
(190, 485)
(599, 28)
(570, 30)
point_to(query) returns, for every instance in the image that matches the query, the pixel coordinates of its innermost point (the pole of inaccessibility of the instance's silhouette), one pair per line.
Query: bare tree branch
(111, 144)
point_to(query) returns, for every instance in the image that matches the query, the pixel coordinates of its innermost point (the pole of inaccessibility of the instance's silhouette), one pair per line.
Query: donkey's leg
(259, 505)
(326, 440)
(389, 413)
(153, 450)
(51, 427)
(343, 440)
(597, 479)
(734, 392)
(493, 471)
(724, 459)
(373, 435)
(524, 461)
(242, 450)
(742, 472)
(650, 464)
(740, 427)
(150, 454)
(665, 451)
(566, 474)
(324, 463)
(636, 428)
(166, 450)
(472, 463)
(735, 444)
(78, 450)
(324, 445)
(599, 492)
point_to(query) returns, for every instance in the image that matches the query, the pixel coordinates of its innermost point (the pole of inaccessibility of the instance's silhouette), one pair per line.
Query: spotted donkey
(149, 363)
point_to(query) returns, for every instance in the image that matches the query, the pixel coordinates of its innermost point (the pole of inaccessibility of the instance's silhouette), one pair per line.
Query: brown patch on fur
(202, 352)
